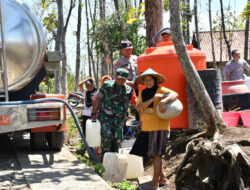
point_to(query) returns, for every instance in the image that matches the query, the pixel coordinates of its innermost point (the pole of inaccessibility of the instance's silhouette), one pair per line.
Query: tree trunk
(185, 15)
(93, 18)
(93, 64)
(64, 60)
(153, 17)
(97, 71)
(78, 44)
(126, 4)
(212, 117)
(135, 4)
(104, 66)
(218, 165)
(221, 44)
(58, 44)
(87, 30)
(196, 25)
(111, 62)
(102, 8)
(124, 34)
(211, 32)
(188, 21)
(224, 30)
(246, 38)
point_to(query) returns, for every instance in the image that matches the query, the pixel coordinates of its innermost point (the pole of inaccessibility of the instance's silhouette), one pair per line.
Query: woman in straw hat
(152, 140)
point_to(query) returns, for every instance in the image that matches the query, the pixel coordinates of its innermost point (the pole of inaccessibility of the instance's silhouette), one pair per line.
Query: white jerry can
(128, 143)
(115, 167)
(135, 167)
(93, 133)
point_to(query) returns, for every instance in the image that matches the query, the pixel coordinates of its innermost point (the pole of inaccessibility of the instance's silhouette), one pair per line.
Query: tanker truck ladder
(3, 66)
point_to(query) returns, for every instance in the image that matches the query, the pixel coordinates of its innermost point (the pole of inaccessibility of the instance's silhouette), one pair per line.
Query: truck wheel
(38, 141)
(55, 140)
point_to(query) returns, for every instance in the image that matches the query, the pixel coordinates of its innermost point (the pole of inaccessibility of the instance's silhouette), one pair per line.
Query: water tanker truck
(24, 63)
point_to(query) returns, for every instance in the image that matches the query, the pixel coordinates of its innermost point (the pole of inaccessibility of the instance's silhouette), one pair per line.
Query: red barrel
(232, 87)
(163, 59)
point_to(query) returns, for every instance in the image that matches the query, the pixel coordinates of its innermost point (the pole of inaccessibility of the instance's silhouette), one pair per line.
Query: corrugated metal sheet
(237, 40)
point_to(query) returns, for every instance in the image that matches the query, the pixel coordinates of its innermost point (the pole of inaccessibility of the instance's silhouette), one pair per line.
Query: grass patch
(71, 127)
(122, 186)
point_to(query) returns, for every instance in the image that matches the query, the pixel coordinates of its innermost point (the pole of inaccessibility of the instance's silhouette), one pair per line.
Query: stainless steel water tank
(25, 44)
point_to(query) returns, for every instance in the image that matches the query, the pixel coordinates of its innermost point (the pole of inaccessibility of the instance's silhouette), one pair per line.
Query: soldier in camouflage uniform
(112, 101)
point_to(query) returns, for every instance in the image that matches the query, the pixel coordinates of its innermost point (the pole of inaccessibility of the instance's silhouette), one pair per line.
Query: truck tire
(38, 141)
(55, 140)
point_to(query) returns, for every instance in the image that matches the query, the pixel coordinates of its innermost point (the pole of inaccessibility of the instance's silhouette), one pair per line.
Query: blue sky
(236, 6)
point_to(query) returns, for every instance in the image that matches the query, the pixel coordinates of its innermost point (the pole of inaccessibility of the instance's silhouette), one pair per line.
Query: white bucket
(135, 167)
(128, 143)
(93, 133)
(115, 167)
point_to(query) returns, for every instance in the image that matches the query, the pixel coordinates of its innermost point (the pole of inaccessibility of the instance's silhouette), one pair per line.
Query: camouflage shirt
(115, 99)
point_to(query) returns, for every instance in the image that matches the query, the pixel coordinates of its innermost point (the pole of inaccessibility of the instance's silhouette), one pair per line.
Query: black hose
(156, 35)
(92, 156)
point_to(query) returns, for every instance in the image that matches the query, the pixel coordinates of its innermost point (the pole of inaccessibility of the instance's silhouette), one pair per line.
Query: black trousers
(84, 120)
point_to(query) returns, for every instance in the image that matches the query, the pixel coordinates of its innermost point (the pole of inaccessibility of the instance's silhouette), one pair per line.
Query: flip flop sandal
(147, 187)
(163, 184)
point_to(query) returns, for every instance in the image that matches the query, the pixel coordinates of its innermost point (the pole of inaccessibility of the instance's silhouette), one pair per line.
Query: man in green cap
(112, 102)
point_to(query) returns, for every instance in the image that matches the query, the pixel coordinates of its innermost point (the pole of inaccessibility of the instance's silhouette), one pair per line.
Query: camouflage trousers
(111, 132)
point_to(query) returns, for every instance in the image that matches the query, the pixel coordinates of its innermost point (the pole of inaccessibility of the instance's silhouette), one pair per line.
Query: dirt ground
(170, 163)
(174, 158)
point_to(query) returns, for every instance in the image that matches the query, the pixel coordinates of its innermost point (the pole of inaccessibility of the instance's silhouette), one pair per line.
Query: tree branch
(72, 5)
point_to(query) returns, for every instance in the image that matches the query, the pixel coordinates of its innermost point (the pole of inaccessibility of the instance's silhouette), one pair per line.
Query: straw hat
(160, 78)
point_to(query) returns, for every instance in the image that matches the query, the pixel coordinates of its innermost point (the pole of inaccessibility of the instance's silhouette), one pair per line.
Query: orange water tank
(163, 59)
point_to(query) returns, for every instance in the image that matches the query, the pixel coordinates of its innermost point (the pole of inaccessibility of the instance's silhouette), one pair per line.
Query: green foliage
(107, 34)
(231, 21)
(71, 127)
(99, 168)
(135, 14)
(50, 21)
(47, 85)
(122, 186)
(81, 155)
(80, 148)
(246, 12)
(71, 79)
(46, 3)
(166, 5)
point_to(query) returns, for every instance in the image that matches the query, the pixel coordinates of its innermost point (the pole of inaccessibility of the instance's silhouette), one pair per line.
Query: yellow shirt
(150, 121)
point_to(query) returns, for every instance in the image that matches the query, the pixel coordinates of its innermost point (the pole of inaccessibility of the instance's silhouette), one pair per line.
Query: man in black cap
(166, 36)
(127, 61)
